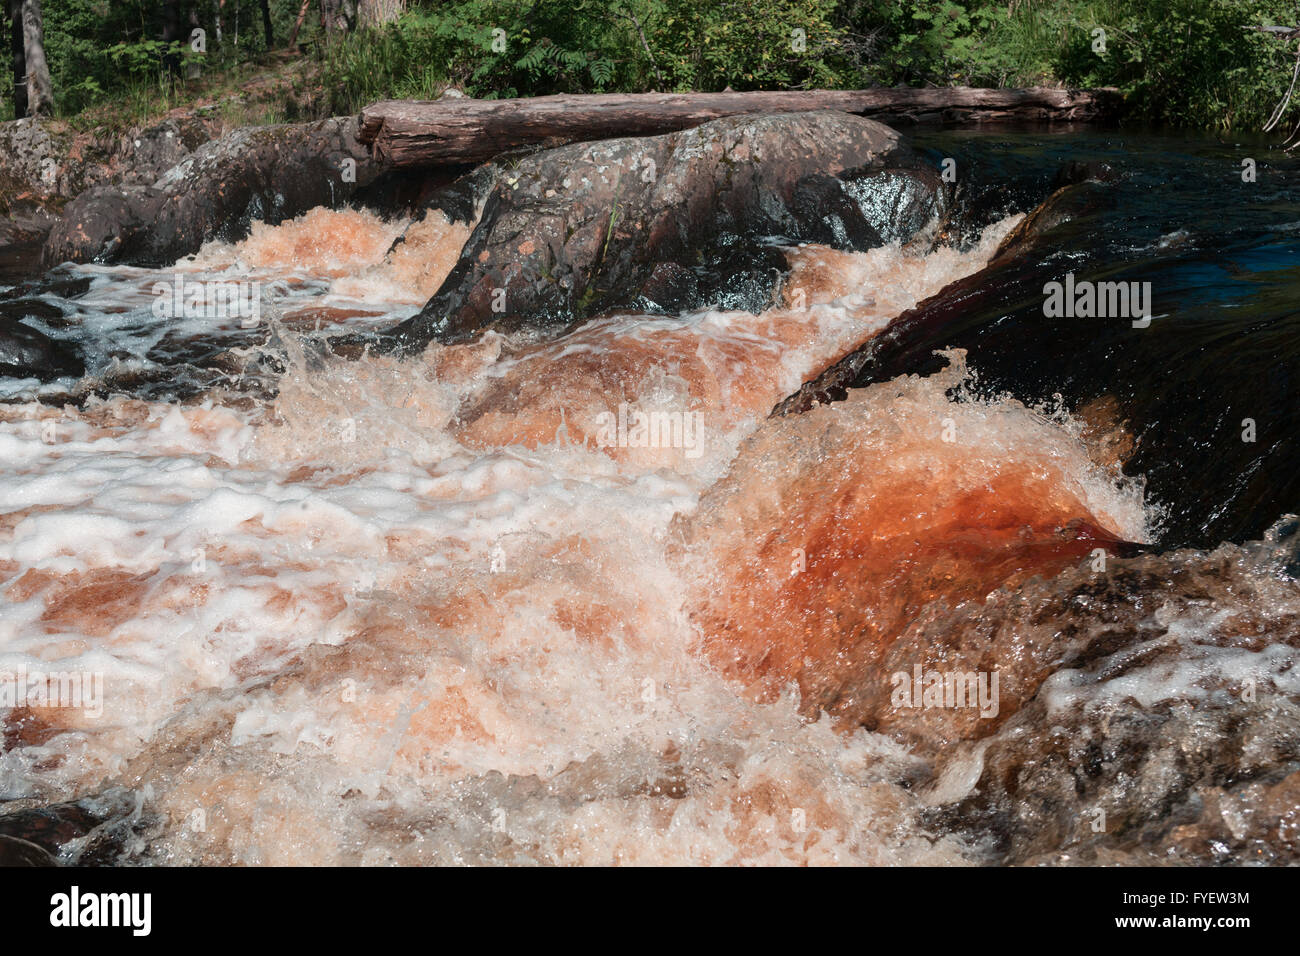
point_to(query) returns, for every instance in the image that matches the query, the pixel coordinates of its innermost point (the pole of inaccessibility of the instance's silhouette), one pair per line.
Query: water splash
(417, 611)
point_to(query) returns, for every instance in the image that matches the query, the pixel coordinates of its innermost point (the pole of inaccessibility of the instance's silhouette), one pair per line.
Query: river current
(587, 601)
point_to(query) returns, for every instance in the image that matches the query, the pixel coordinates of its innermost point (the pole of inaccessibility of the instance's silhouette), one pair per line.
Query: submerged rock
(27, 353)
(93, 831)
(680, 221)
(1148, 713)
(1192, 424)
(1127, 707)
(17, 852)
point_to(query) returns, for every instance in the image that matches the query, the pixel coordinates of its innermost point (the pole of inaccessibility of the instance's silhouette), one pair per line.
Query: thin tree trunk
(40, 92)
(297, 24)
(18, 60)
(629, 15)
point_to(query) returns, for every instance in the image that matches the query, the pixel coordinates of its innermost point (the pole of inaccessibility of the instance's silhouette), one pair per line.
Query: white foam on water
(399, 615)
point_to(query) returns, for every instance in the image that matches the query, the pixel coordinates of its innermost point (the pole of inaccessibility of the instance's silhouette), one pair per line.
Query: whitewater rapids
(423, 612)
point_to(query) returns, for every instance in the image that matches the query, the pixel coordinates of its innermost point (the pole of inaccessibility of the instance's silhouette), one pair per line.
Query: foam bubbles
(417, 612)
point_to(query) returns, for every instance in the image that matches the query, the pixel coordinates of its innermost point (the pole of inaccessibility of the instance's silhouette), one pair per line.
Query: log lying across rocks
(462, 130)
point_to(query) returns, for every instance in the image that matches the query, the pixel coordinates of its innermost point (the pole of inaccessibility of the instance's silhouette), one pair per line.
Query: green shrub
(495, 48)
(1185, 62)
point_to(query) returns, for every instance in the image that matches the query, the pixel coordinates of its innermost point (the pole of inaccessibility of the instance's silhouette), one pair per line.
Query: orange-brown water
(888, 502)
(453, 609)
(366, 257)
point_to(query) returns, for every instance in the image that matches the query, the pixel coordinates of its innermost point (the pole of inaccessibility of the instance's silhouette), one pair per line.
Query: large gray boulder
(671, 222)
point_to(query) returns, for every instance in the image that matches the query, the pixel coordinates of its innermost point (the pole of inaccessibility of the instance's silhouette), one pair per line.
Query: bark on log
(422, 132)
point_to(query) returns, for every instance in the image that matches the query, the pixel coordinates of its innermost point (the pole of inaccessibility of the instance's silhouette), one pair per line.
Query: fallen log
(462, 130)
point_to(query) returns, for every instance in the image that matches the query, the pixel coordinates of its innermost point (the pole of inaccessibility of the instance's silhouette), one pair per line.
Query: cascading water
(584, 601)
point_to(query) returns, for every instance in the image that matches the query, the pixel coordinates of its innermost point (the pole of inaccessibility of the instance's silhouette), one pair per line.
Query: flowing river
(587, 601)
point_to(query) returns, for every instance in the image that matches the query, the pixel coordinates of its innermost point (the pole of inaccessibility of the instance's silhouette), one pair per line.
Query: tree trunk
(40, 92)
(422, 133)
(374, 13)
(266, 25)
(297, 25)
(173, 32)
(336, 17)
(19, 61)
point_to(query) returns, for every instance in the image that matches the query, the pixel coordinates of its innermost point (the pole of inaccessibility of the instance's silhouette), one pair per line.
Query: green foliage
(143, 59)
(80, 68)
(1186, 62)
(495, 48)
(777, 44)
(112, 51)
(401, 60)
(935, 41)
